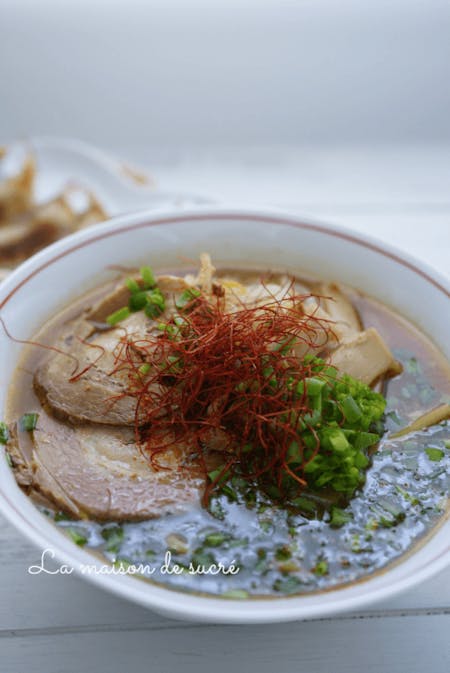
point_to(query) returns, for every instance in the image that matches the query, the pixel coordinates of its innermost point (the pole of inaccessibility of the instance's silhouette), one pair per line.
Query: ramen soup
(236, 433)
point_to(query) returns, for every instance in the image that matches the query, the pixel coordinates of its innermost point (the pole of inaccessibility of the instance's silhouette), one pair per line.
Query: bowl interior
(234, 238)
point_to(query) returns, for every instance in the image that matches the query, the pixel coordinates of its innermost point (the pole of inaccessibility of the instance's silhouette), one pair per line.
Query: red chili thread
(221, 380)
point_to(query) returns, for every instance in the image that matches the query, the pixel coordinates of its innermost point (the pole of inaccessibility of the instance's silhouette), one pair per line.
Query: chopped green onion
(313, 418)
(77, 537)
(122, 564)
(394, 417)
(267, 372)
(229, 492)
(290, 585)
(338, 440)
(61, 516)
(113, 537)
(29, 421)
(339, 517)
(314, 386)
(284, 345)
(395, 514)
(137, 301)
(371, 525)
(305, 505)
(365, 439)
(175, 363)
(156, 297)
(215, 539)
(152, 311)
(241, 386)
(148, 277)
(360, 460)
(434, 454)
(350, 409)
(321, 568)
(132, 285)
(145, 296)
(329, 372)
(214, 474)
(144, 369)
(407, 496)
(283, 553)
(202, 558)
(187, 297)
(4, 433)
(294, 454)
(118, 316)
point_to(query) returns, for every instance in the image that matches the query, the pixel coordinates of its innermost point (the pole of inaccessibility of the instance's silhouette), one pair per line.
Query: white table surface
(56, 624)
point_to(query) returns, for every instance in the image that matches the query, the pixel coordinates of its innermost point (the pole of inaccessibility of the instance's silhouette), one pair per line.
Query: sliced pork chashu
(85, 382)
(97, 471)
(170, 286)
(340, 309)
(96, 395)
(366, 357)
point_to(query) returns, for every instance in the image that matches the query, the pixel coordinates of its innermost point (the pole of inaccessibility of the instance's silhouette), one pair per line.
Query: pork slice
(340, 309)
(278, 288)
(98, 472)
(366, 357)
(89, 380)
(170, 286)
(321, 332)
(85, 381)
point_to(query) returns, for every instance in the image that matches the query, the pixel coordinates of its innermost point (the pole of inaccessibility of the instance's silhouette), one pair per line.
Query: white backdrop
(191, 72)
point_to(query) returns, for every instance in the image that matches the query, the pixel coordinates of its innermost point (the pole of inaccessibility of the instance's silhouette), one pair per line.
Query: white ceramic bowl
(233, 236)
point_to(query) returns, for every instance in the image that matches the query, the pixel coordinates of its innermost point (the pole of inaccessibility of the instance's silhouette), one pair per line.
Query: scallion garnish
(187, 297)
(4, 433)
(321, 568)
(148, 277)
(350, 409)
(118, 316)
(156, 297)
(77, 537)
(152, 311)
(144, 296)
(113, 536)
(434, 454)
(137, 301)
(339, 517)
(410, 498)
(215, 539)
(29, 421)
(132, 285)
